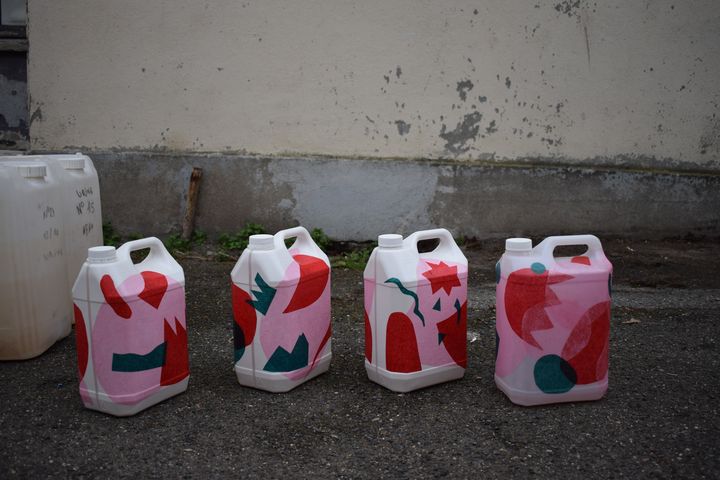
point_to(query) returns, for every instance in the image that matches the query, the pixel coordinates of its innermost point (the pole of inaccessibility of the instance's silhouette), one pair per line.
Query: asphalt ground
(659, 419)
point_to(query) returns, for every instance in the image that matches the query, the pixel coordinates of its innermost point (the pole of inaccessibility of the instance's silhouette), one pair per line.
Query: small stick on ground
(189, 221)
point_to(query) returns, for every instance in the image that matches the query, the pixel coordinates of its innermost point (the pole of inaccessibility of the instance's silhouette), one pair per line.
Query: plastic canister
(553, 321)
(415, 312)
(130, 328)
(80, 210)
(281, 308)
(34, 292)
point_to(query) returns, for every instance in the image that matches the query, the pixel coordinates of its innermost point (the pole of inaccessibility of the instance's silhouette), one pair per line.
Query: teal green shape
(437, 306)
(538, 268)
(132, 362)
(554, 375)
(441, 337)
(497, 272)
(409, 293)
(283, 361)
(264, 297)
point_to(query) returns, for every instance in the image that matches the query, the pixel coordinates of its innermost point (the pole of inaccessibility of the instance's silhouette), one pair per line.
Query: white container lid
(104, 254)
(32, 171)
(518, 245)
(261, 241)
(72, 163)
(390, 240)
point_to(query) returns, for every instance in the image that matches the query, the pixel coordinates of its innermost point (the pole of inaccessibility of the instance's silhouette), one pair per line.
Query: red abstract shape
(587, 346)
(526, 296)
(401, 349)
(176, 365)
(324, 341)
(582, 260)
(368, 338)
(454, 331)
(244, 313)
(314, 276)
(81, 342)
(442, 276)
(155, 287)
(113, 298)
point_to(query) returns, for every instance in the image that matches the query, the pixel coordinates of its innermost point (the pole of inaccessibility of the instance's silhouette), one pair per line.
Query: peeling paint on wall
(463, 88)
(403, 127)
(464, 132)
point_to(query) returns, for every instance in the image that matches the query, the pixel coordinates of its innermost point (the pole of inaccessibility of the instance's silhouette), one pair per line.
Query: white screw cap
(32, 171)
(261, 242)
(390, 240)
(518, 245)
(101, 254)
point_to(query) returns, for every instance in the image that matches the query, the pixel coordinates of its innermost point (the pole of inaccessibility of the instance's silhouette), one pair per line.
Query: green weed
(320, 238)
(239, 240)
(354, 260)
(176, 244)
(110, 236)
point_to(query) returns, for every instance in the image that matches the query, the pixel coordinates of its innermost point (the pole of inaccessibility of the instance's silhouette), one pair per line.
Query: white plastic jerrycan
(415, 312)
(36, 306)
(130, 328)
(553, 321)
(281, 309)
(80, 210)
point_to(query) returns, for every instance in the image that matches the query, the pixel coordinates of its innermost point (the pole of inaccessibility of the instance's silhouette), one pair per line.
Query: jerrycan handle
(447, 242)
(547, 246)
(304, 240)
(157, 250)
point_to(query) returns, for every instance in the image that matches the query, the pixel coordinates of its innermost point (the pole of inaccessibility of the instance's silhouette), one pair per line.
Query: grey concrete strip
(357, 199)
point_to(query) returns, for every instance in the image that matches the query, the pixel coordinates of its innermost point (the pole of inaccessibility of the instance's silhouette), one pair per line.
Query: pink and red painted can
(131, 331)
(415, 312)
(281, 309)
(553, 321)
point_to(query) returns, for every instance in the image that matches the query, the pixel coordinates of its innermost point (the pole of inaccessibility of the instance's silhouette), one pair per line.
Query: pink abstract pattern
(139, 339)
(434, 330)
(295, 326)
(553, 327)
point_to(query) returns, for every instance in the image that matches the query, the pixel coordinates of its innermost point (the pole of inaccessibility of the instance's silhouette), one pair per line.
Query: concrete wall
(568, 80)
(493, 118)
(357, 199)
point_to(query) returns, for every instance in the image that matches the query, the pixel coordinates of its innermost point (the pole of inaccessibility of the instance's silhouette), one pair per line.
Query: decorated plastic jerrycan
(132, 346)
(553, 321)
(35, 301)
(415, 312)
(281, 309)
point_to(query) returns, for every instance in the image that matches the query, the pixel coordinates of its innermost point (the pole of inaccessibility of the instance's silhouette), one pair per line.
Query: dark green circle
(538, 268)
(554, 375)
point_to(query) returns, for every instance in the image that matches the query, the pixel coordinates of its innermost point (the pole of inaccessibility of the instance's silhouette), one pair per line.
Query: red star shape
(442, 276)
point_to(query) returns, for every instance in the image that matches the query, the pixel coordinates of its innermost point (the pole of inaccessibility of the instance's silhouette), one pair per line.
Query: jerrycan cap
(261, 242)
(73, 163)
(32, 171)
(390, 240)
(104, 254)
(518, 245)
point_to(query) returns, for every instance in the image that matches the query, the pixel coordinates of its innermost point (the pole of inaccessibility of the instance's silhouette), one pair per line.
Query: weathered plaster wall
(510, 80)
